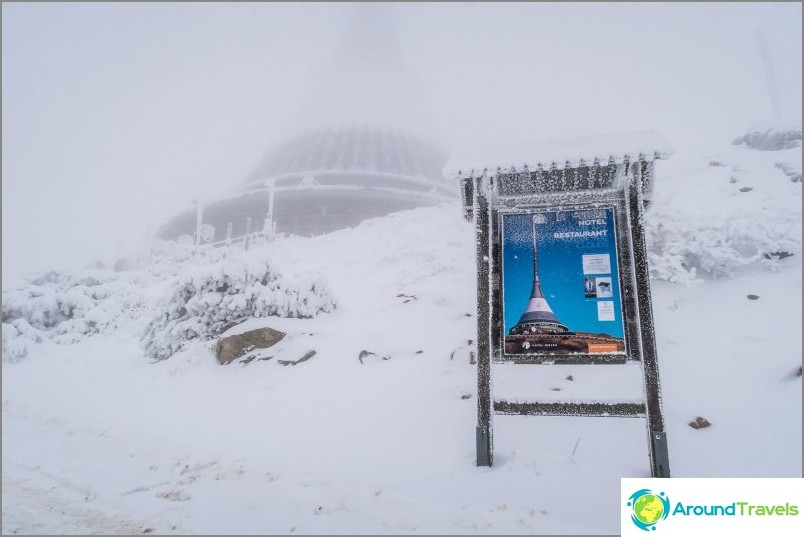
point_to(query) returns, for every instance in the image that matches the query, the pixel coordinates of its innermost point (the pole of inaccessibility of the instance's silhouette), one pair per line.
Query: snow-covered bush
(679, 249)
(714, 220)
(201, 305)
(169, 258)
(66, 307)
(18, 335)
(772, 137)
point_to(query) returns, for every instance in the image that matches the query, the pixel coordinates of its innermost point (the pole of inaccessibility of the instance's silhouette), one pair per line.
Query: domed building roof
(324, 181)
(354, 151)
(358, 159)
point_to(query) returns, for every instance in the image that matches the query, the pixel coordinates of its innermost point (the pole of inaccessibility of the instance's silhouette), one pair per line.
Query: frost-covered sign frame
(562, 269)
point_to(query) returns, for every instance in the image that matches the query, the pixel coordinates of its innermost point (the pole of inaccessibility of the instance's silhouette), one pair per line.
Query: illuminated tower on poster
(538, 317)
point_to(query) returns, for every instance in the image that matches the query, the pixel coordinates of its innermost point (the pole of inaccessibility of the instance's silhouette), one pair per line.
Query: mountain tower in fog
(364, 153)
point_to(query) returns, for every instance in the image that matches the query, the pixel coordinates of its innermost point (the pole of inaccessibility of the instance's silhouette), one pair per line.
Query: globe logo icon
(648, 508)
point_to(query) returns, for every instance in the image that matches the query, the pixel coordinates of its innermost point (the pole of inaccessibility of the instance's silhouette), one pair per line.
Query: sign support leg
(657, 442)
(484, 405)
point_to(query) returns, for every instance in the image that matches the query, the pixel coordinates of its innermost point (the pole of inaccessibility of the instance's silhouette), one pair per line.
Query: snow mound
(201, 304)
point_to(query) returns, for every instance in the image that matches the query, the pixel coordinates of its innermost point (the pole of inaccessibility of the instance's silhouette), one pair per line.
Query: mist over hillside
(260, 379)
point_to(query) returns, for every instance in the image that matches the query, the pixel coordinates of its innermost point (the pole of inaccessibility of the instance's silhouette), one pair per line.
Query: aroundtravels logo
(648, 508)
(700, 507)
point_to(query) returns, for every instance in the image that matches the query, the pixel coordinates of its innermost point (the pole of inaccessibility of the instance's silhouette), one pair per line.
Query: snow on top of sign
(546, 153)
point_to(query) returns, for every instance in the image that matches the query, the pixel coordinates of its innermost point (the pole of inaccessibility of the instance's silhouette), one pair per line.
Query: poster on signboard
(561, 283)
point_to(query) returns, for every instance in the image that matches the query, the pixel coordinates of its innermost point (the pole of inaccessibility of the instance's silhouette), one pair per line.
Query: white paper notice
(605, 310)
(596, 264)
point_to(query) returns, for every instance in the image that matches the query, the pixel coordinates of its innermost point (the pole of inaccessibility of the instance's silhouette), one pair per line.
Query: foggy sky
(116, 115)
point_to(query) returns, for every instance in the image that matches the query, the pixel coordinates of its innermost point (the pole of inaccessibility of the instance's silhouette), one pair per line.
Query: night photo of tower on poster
(561, 283)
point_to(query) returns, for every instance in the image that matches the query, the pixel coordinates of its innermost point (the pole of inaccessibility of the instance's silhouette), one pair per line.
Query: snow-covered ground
(100, 438)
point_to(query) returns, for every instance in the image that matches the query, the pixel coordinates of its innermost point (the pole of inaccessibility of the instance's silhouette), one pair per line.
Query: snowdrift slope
(99, 438)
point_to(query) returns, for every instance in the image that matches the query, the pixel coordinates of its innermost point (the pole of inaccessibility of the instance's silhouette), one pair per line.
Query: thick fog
(116, 115)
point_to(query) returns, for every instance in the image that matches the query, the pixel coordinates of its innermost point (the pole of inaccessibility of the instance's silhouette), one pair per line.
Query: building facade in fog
(365, 151)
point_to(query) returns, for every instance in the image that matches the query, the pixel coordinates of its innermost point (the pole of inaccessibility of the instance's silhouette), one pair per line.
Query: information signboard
(562, 274)
(561, 283)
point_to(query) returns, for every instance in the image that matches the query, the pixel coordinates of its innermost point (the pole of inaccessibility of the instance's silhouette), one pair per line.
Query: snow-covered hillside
(99, 437)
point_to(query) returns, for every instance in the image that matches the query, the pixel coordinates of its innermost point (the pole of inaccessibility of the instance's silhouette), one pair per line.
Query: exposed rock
(777, 255)
(408, 298)
(251, 357)
(307, 356)
(752, 297)
(570, 378)
(699, 423)
(466, 396)
(746, 189)
(232, 347)
(368, 356)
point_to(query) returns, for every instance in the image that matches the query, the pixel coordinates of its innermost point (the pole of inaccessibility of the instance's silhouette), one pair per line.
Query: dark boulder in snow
(230, 348)
(699, 423)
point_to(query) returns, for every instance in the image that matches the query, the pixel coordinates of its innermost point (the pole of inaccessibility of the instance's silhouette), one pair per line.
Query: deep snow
(99, 438)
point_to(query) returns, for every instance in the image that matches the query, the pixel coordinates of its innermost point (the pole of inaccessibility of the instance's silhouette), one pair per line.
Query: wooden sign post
(562, 270)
